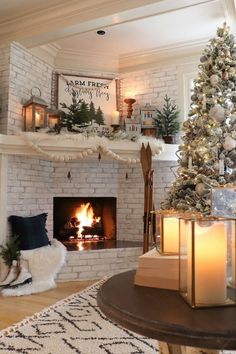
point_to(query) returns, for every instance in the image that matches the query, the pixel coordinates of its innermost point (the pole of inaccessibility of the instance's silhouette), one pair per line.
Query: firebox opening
(82, 218)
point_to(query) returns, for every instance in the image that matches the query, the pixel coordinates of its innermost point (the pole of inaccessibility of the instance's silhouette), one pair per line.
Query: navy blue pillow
(30, 231)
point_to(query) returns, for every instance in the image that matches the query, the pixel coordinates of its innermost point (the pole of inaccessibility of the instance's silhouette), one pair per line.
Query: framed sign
(99, 95)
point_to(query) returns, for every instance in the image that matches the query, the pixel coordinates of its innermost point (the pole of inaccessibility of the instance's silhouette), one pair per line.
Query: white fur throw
(44, 264)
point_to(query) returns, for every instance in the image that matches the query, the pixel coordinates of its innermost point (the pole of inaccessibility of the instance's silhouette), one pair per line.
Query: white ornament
(214, 80)
(218, 131)
(217, 113)
(229, 143)
(229, 105)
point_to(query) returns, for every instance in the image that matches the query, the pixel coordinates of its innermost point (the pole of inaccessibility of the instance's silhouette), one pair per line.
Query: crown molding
(93, 61)
(168, 55)
(86, 61)
(47, 52)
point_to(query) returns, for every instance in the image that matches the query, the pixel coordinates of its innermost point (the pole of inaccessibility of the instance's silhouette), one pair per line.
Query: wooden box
(158, 271)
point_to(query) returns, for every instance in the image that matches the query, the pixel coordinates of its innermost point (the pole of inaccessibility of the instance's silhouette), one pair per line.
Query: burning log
(92, 230)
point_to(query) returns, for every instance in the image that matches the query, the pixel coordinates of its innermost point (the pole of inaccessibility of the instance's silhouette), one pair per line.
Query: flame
(86, 217)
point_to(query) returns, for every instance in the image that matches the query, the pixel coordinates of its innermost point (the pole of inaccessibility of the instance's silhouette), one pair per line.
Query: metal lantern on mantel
(168, 222)
(53, 118)
(35, 111)
(207, 261)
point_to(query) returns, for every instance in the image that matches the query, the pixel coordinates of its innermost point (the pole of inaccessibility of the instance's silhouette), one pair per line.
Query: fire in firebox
(84, 225)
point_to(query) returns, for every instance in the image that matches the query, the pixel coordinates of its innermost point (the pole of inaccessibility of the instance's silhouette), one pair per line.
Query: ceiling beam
(72, 17)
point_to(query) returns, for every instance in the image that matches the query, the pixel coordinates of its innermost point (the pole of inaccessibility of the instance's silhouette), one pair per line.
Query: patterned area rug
(73, 325)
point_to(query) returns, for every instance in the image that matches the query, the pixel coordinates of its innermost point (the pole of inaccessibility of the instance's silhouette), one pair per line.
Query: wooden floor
(15, 309)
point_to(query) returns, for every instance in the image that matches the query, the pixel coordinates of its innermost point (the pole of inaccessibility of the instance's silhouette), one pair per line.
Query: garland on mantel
(97, 145)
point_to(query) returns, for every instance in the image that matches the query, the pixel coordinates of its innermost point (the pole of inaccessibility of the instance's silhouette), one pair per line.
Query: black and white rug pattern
(73, 325)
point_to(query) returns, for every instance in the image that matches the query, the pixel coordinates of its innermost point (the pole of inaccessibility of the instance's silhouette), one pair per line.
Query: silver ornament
(217, 113)
(214, 80)
(203, 59)
(229, 143)
(202, 189)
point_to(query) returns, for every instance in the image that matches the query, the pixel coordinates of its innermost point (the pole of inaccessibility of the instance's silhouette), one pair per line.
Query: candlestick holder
(207, 261)
(115, 127)
(129, 102)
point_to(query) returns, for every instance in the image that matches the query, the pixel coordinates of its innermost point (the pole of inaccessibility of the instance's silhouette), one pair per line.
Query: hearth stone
(95, 264)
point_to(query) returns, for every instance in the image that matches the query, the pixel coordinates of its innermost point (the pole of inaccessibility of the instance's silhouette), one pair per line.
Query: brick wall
(4, 87)
(97, 264)
(23, 72)
(149, 86)
(32, 184)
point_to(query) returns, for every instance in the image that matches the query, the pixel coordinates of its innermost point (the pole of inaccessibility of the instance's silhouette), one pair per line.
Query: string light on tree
(207, 156)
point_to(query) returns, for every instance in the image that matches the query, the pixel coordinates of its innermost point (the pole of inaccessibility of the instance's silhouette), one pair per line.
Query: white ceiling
(190, 24)
(134, 28)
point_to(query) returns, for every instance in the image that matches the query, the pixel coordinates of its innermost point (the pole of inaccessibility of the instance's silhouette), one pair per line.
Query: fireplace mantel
(70, 147)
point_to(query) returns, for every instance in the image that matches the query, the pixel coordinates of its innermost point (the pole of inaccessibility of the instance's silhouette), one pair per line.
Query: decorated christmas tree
(207, 156)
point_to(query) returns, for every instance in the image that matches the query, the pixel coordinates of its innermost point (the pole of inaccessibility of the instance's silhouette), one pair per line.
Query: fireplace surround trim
(17, 145)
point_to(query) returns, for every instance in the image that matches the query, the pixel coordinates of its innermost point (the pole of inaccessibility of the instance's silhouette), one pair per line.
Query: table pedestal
(166, 348)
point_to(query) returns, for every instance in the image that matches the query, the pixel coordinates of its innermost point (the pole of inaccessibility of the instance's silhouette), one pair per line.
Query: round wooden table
(164, 315)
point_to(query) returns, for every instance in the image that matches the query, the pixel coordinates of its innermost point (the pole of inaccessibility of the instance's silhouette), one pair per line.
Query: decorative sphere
(231, 71)
(214, 79)
(229, 143)
(229, 105)
(217, 112)
(194, 97)
(202, 189)
(203, 59)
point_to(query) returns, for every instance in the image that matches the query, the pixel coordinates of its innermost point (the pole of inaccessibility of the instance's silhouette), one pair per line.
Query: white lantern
(207, 261)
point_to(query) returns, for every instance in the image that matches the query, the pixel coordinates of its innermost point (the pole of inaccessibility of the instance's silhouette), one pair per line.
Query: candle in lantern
(170, 234)
(210, 263)
(115, 118)
(37, 119)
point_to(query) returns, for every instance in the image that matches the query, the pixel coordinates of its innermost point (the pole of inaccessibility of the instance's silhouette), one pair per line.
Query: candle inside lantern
(115, 118)
(170, 234)
(210, 259)
(37, 119)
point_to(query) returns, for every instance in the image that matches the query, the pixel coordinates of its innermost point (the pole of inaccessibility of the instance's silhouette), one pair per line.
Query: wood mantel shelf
(65, 144)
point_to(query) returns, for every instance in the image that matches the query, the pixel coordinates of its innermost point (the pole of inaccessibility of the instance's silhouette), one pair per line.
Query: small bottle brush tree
(207, 157)
(10, 251)
(167, 119)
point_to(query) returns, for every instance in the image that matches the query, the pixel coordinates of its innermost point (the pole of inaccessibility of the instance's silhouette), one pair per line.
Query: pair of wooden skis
(148, 218)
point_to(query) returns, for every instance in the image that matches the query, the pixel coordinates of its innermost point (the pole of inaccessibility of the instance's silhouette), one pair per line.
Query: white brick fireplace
(29, 182)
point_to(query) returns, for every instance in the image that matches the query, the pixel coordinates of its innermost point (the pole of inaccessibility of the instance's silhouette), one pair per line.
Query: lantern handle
(35, 91)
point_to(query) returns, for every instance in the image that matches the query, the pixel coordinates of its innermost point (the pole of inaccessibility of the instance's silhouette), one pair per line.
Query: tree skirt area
(73, 325)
